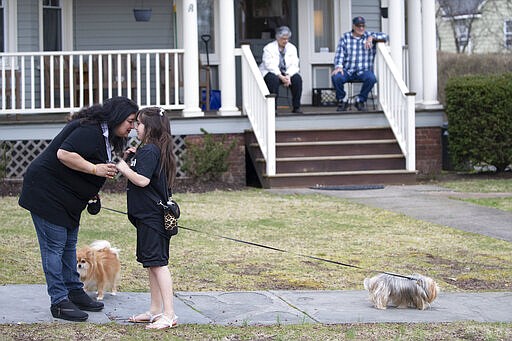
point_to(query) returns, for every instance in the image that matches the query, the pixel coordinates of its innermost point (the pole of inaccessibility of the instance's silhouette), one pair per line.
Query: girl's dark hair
(114, 111)
(157, 130)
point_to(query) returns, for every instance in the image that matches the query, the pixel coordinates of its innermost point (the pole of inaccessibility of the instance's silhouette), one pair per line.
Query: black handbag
(171, 211)
(94, 205)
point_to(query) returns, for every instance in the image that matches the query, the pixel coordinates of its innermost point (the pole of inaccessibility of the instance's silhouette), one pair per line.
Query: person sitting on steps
(280, 65)
(353, 61)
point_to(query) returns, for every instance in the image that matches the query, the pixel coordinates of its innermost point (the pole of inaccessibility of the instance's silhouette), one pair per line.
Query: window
(2, 33)
(508, 34)
(462, 31)
(52, 25)
(205, 25)
(323, 25)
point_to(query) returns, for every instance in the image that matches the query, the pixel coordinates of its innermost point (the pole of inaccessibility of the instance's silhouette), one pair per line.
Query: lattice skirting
(16, 156)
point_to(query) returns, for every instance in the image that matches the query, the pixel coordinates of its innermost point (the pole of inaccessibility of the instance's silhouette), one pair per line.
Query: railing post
(411, 132)
(271, 137)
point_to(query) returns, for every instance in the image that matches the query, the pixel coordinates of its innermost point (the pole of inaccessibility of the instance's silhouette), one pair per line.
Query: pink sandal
(163, 323)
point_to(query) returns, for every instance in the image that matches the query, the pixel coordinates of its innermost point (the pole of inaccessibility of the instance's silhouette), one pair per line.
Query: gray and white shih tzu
(414, 291)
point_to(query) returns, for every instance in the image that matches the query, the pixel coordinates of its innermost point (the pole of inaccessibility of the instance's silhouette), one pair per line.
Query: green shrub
(479, 110)
(209, 159)
(4, 159)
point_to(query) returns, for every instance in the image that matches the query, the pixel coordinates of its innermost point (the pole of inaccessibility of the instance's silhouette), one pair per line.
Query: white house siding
(28, 26)
(94, 18)
(445, 36)
(370, 10)
(488, 31)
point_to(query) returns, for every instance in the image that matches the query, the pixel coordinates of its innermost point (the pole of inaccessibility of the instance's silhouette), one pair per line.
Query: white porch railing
(259, 106)
(398, 104)
(55, 82)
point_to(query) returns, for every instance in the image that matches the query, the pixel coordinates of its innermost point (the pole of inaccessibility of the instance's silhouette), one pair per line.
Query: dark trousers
(273, 83)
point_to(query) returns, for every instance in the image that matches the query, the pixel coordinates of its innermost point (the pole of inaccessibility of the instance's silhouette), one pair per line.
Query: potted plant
(142, 14)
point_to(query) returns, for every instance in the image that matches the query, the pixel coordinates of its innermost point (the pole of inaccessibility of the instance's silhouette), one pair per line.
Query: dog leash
(280, 250)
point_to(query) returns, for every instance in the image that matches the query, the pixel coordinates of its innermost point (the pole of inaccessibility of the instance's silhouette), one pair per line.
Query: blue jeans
(58, 257)
(367, 77)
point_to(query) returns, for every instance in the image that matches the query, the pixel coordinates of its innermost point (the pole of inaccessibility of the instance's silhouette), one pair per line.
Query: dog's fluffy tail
(366, 283)
(104, 244)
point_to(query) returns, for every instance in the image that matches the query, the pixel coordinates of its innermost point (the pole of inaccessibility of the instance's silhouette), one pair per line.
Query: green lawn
(314, 225)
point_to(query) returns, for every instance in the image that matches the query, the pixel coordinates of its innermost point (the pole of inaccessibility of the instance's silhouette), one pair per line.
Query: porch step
(338, 147)
(319, 179)
(312, 164)
(332, 157)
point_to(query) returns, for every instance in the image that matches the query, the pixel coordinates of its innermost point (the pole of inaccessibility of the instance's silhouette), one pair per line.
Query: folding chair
(352, 94)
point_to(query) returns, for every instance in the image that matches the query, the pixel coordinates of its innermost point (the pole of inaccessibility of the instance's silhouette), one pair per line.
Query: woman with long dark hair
(58, 185)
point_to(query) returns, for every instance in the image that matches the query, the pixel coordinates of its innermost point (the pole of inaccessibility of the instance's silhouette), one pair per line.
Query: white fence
(259, 106)
(52, 82)
(398, 104)
(16, 155)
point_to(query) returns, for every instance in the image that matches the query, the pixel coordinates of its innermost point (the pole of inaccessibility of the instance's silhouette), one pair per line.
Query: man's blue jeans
(367, 77)
(58, 257)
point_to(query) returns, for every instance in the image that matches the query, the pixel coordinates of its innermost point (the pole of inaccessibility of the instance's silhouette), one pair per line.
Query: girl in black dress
(150, 175)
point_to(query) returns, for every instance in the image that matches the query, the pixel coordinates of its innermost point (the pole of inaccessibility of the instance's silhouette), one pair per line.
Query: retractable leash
(281, 250)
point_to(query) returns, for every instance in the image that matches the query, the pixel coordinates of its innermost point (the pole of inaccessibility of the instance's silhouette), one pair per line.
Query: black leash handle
(280, 250)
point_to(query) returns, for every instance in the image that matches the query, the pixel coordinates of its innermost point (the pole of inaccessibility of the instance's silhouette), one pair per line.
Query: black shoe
(297, 111)
(66, 310)
(84, 301)
(342, 106)
(360, 106)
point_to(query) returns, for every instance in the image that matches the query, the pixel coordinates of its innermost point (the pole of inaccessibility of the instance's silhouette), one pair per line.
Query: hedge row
(479, 110)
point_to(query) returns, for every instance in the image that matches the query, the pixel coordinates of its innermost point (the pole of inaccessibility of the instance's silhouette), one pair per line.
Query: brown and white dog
(416, 291)
(99, 267)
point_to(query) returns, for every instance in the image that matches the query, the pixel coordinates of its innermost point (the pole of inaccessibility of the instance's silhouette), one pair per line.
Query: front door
(256, 21)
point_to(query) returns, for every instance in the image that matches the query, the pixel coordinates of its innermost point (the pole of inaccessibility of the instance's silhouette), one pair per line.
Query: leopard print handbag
(171, 215)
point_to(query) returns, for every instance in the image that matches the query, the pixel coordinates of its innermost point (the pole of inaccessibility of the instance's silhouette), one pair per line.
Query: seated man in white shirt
(280, 65)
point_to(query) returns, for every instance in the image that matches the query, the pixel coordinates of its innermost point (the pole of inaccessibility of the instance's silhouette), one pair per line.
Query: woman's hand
(76, 162)
(107, 170)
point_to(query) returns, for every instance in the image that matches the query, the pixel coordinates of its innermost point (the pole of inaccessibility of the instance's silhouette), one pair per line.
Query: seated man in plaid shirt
(353, 61)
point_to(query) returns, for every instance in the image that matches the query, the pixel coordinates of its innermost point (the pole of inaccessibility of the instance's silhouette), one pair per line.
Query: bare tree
(461, 15)
(493, 27)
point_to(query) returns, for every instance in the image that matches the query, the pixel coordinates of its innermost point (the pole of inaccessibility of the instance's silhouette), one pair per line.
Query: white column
(396, 21)
(190, 60)
(227, 79)
(414, 40)
(429, 52)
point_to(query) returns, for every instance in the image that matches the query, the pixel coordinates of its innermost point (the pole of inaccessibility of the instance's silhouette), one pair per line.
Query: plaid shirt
(353, 56)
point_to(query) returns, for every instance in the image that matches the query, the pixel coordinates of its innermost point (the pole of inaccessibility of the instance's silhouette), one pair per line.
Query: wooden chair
(9, 90)
(205, 82)
(57, 85)
(169, 72)
(118, 76)
(352, 95)
(286, 97)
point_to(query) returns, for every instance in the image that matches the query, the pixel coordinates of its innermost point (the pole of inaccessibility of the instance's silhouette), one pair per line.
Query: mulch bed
(13, 188)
